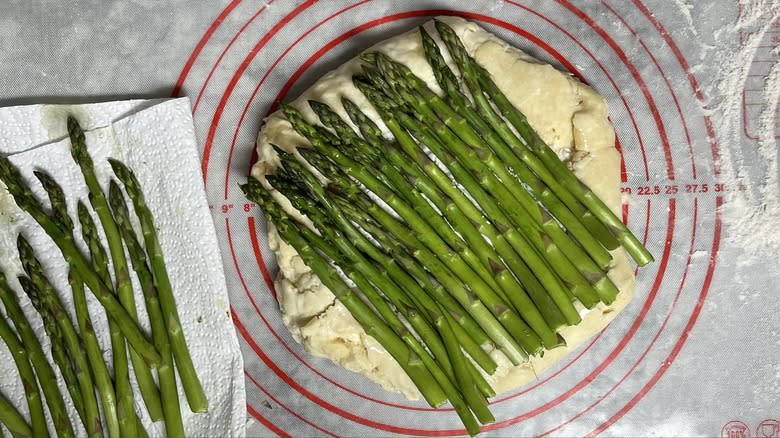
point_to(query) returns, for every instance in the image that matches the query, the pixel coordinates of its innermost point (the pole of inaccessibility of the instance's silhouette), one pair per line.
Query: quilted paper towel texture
(157, 140)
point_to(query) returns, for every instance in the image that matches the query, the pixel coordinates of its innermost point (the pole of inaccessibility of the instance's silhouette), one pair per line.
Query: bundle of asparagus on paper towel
(104, 402)
(462, 229)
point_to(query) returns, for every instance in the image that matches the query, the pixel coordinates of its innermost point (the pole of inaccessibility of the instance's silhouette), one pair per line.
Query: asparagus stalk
(551, 264)
(24, 198)
(189, 377)
(542, 325)
(12, 419)
(46, 302)
(421, 227)
(481, 256)
(8, 415)
(174, 426)
(578, 257)
(92, 347)
(124, 288)
(43, 370)
(543, 160)
(521, 245)
(116, 398)
(373, 325)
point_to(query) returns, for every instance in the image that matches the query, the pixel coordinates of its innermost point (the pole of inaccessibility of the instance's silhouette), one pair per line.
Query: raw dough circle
(569, 116)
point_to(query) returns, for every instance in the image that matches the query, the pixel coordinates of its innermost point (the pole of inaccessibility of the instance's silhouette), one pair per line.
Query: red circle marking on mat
(290, 411)
(428, 12)
(224, 52)
(237, 75)
(264, 421)
(666, 81)
(691, 79)
(601, 398)
(265, 76)
(199, 47)
(325, 49)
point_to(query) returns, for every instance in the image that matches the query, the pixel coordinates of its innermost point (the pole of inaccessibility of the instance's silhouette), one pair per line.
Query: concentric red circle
(665, 235)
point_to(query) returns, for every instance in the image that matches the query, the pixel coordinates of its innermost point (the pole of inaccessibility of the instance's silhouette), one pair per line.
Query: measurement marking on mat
(678, 189)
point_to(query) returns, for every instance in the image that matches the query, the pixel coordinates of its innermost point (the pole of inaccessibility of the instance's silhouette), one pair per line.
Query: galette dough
(568, 115)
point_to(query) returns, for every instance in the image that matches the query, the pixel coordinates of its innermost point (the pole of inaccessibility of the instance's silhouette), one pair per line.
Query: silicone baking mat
(693, 94)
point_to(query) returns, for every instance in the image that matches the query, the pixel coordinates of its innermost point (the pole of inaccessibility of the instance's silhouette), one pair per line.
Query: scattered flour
(751, 215)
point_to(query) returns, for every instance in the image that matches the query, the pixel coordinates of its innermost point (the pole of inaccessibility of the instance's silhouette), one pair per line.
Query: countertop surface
(693, 89)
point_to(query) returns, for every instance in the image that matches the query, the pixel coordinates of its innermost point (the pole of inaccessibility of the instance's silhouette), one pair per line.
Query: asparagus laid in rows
(181, 354)
(423, 230)
(24, 198)
(174, 426)
(544, 162)
(48, 304)
(8, 415)
(372, 324)
(44, 371)
(123, 287)
(320, 213)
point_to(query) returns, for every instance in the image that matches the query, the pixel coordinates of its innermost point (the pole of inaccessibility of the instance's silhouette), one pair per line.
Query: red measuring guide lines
(754, 99)
(682, 189)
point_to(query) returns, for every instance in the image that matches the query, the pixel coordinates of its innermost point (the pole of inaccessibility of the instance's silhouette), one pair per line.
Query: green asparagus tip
(369, 57)
(117, 202)
(25, 250)
(125, 175)
(83, 212)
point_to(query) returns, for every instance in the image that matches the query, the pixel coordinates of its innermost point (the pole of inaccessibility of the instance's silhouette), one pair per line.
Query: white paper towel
(157, 140)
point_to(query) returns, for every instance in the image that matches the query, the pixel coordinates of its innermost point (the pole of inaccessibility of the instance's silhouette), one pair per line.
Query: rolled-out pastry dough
(569, 116)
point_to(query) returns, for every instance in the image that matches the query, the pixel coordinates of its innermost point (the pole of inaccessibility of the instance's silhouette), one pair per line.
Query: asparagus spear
(174, 426)
(372, 324)
(12, 419)
(578, 257)
(189, 377)
(117, 398)
(46, 301)
(94, 352)
(521, 245)
(43, 370)
(421, 227)
(490, 318)
(543, 160)
(124, 288)
(8, 414)
(463, 138)
(327, 216)
(24, 198)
